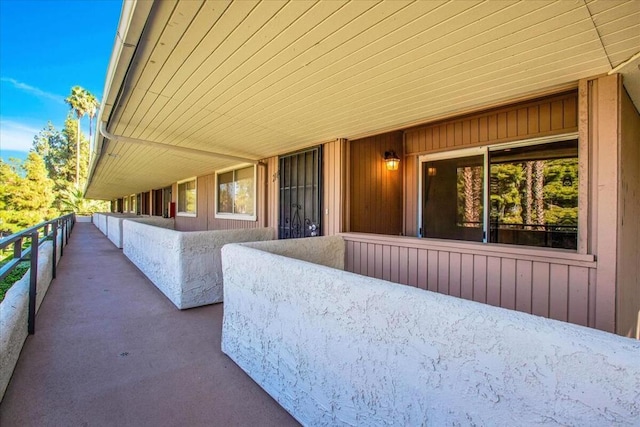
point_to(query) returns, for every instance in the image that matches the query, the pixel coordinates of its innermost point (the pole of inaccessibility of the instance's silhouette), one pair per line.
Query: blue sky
(46, 47)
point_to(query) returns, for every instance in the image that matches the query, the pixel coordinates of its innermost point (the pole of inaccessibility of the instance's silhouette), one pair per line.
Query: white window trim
(235, 216)
(484, 151)
(186, 214)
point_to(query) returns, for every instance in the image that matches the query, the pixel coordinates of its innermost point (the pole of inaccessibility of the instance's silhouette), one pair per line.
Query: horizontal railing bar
(6, 269)
(6, 241)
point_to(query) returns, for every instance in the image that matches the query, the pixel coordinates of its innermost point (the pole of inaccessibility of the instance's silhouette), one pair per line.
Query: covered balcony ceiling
(258, 79)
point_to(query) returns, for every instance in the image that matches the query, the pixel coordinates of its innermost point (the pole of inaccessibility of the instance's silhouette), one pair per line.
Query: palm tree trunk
(78, 155)
(528, 205)
(538, 169)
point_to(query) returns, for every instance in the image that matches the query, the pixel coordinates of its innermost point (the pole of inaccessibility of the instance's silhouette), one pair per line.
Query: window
(531, 190)
(187, 198)
(236, 193)
(132, 203)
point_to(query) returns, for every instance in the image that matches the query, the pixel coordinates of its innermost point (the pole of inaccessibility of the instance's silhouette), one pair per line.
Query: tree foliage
(51, 179)
(25, 198)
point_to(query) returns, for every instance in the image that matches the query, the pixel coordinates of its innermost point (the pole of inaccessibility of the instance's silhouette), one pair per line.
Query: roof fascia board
(133, 17)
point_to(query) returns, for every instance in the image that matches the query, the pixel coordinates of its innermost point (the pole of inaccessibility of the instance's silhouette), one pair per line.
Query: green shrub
(15, 275)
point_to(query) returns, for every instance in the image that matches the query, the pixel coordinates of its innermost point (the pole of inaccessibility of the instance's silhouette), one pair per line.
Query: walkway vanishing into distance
(110, 349)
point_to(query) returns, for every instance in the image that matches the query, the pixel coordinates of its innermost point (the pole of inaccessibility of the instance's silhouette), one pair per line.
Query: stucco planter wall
(100, 221)
(336, 348)
(14, 311)
(114, 228)
(185, 266)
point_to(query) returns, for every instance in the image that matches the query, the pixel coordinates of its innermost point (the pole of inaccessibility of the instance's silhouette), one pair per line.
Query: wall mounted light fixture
(392, 160)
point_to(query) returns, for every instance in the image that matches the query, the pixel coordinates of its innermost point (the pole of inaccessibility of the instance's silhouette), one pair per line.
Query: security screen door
(300, 177)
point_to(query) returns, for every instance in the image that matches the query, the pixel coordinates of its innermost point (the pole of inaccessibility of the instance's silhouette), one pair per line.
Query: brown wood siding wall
(273, 193)
(548, 116)
(522, 280)
(333, 173)
(545, 117)
(375, 194)
(628, 295)
(206, 220)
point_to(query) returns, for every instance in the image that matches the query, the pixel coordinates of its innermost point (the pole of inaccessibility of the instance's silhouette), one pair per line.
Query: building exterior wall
(551, 115)
(597, 285)
(553, 284)
(205, 218)
(375, 193)
(628, 294)
(334, 186)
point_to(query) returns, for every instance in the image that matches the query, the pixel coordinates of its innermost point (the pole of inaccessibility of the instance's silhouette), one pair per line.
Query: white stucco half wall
(100, 221)
(185, 266)
(14, 312)
(336, 348)
(115, 229)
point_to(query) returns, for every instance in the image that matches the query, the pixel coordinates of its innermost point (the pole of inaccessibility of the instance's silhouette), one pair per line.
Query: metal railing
(36, 235)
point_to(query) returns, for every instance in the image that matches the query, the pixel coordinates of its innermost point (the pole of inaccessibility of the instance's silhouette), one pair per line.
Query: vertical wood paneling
(378, 262)
(349, 249)
(523, 286)
(412, 266)
(559, 287)
(547, 116)
(376, 194)
(411, 196)
(273, 194)
(334, 190)
(578, 295)
(356, 257)
(432, 277)
(628, 290)
(548, 289)
(480, 278)
(454, 274)
(606, 144)
(493, 281)
(395, 264)
(466, 277)
(403, 273)
(386, 256)
(443, 272)
(508, 287)
(423, 268)
(540, 289)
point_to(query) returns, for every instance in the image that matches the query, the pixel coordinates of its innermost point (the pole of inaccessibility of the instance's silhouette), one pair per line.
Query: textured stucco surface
(185, 266)
(114, 228)
(328, 251)
(14, 312)
(100, 221)
(168, 223)
(336, 348)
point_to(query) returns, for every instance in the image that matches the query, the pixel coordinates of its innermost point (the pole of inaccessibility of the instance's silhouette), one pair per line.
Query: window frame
(485, 151)
(186, 213)
(237, 216)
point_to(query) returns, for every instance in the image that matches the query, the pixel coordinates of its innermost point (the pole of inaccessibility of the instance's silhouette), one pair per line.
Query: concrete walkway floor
(111, 350)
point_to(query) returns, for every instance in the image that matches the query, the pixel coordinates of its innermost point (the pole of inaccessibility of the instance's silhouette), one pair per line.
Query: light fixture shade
(392, 160)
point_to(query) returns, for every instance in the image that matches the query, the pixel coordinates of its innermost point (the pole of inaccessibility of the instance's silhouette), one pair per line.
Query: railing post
(55, 248)
(33, 281)
(61, 222)
(17, 249)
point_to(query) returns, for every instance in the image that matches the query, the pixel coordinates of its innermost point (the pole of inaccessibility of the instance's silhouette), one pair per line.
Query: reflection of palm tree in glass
(538, 168)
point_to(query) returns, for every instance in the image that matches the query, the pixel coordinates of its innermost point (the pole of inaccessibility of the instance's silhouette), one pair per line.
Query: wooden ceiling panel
(261, 78)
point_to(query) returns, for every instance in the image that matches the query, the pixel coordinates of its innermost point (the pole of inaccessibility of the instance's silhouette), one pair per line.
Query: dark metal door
(300, 177)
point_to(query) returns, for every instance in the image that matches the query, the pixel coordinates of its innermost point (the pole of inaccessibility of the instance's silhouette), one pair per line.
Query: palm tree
(78, 103)
(92, 109)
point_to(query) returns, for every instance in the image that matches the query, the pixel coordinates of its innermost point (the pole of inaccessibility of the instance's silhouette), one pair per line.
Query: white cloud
(33, 90)
(16, 136)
